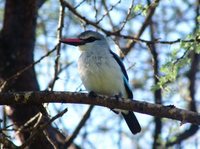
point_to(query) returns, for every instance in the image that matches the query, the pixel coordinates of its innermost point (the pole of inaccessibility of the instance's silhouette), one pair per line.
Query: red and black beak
(73, 41)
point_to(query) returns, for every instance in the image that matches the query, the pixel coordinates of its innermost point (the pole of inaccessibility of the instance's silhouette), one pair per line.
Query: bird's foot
(92, 94)
(117, 97)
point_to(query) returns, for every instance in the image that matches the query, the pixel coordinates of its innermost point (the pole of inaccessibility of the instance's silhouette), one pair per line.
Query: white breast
(101, 74)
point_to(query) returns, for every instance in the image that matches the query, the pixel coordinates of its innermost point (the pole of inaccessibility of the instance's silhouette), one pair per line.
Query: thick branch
(82, 98)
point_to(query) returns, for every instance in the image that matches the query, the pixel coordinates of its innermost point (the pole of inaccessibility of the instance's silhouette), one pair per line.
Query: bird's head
(86, 40)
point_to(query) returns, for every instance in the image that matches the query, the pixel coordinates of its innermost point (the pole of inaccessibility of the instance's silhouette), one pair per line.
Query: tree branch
(195, 58)
(157, 93)
(157, 110)
(5, 142)
(119, 34)
(151, 10)
(40, 128)
(59, 35)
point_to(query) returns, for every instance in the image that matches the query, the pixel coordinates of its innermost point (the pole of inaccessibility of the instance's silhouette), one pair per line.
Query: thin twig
(60, 71)
(70, 140)
(79, 4)
(28, 123)
(157, 93)
(53, 143)
(151, 10)
(192, 88)
(40, 128)
(117, 33)
(108, 11)
(109, 17)
(5, 142)
(127, 16)
(25, 69)
(59, 36)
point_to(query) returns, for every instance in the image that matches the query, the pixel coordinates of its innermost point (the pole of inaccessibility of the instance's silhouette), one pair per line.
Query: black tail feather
(132, 122)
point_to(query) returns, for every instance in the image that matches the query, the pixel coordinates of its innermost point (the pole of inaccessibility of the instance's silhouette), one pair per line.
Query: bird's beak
(73, 41)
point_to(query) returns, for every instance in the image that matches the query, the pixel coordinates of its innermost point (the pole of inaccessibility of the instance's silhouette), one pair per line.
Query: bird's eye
(91, 39)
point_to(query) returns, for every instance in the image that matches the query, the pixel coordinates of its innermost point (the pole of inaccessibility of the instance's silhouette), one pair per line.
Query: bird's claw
(117, 97)
(92, 94)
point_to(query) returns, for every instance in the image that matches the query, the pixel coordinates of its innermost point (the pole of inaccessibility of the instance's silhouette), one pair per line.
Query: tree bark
(157, 110)
(17, 39)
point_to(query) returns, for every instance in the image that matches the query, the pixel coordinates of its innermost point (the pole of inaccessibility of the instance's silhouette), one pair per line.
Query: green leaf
(137, 8)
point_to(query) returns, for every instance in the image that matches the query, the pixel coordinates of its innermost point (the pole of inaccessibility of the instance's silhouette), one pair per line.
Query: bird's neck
(97, 51)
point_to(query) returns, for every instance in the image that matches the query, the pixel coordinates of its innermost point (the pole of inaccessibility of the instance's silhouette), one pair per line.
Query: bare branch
(20, 72)
(192, 88)
(127, 16)
(5, 142)
(118, 33)
(40, 128)
(151, 10)
(59, 35)
(31, 120)
(108, 11)
(157, 110)
(157, 93)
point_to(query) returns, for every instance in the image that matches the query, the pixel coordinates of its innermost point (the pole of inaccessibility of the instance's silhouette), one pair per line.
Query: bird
(102, 71)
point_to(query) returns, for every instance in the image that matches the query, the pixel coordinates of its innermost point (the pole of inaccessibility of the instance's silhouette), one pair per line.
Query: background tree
(17, 40)
(158, 41)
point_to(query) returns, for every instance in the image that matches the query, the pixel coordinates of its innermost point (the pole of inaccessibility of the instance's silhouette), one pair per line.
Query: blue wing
(128, 89)
(116, 57)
